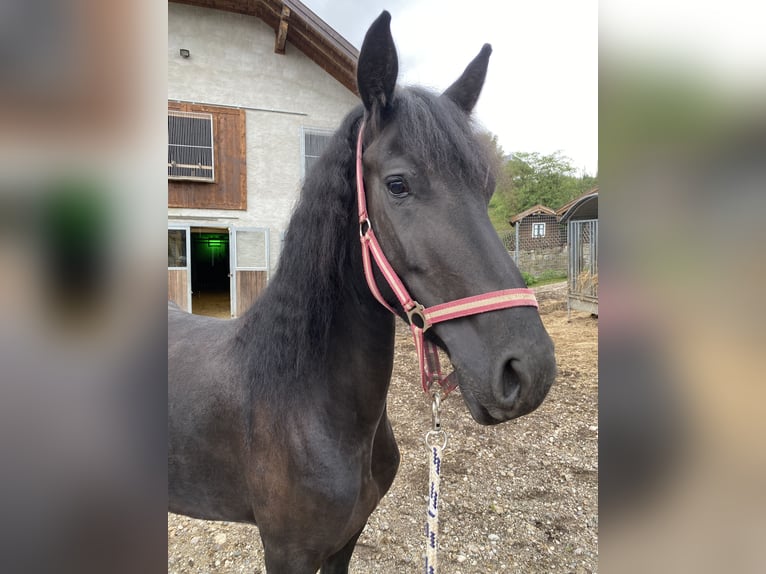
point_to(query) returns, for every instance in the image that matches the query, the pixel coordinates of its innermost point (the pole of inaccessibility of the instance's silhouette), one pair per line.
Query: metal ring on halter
(436, 438)
(419, 312)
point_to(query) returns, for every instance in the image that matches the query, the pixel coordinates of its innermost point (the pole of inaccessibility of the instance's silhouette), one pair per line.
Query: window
(177, 248)
(224, 184)
(538, 230)
(314, 142)
(190, 146)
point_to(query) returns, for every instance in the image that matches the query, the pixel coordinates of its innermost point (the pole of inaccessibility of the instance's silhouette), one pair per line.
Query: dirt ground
(520, 497)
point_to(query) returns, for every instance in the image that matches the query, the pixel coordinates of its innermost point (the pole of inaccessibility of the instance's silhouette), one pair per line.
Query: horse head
(429, 179)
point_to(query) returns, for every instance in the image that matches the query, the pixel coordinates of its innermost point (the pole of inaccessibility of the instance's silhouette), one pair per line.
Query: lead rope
(436, 441)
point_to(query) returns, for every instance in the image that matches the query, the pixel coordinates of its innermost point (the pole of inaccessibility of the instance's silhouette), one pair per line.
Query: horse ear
(378, 65)
(466, 89)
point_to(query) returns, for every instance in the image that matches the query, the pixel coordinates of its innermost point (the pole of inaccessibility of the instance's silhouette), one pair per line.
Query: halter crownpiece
(421, 318)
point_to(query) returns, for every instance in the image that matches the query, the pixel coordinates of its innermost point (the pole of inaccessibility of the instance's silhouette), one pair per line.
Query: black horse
(278, 418)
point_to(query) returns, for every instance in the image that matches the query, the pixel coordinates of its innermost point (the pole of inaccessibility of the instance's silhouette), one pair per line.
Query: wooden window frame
(229, 190)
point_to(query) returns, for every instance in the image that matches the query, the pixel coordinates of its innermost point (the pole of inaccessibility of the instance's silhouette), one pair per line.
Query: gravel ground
(520, 497)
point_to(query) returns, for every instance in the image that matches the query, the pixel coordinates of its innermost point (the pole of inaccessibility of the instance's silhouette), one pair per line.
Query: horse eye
(397, 186)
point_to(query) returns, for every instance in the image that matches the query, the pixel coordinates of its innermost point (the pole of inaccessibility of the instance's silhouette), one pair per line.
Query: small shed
(537, 228)
(581, 218)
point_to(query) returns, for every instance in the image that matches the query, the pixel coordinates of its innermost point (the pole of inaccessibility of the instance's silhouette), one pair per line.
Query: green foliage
(549, 180)
(526, 179)
(549, 276)
(528, 278)
(500, 211)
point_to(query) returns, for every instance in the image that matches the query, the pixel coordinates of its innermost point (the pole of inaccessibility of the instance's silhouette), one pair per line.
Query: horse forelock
(434, 129)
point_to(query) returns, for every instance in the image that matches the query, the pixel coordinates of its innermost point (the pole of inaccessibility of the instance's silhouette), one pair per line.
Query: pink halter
(419, 317)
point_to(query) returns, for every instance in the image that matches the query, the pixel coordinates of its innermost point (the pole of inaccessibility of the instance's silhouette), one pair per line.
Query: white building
(254, 88)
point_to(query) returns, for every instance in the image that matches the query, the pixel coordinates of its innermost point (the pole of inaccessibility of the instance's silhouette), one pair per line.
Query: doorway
(210, 272)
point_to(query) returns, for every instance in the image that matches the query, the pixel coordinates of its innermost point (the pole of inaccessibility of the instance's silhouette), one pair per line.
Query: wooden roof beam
(281, 39)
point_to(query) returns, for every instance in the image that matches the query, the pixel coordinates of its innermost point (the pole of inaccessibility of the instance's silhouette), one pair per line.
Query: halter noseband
(421, 318)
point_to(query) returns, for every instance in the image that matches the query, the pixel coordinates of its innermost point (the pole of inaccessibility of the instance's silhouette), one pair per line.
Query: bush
(549, 276)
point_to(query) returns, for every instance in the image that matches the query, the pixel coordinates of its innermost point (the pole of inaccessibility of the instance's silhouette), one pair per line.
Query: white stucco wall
(233, 63)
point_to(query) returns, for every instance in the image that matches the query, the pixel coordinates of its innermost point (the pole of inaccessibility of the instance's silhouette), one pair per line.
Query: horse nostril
(510, 383)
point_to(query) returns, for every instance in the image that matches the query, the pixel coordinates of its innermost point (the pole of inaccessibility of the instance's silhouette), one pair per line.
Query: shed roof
(535, 210)
(583, 207)
(293, 22)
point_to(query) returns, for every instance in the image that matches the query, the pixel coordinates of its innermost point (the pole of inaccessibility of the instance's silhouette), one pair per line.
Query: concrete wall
(233, 63)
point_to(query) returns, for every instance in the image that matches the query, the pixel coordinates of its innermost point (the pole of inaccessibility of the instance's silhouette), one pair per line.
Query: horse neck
(362, 340)
(320, 323)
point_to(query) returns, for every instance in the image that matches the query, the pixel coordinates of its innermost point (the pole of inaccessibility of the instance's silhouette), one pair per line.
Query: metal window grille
(314, 143)
(583, 259)
(190, 146)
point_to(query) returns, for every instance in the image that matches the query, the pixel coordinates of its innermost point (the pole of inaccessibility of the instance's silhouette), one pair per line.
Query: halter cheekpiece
(422, 318)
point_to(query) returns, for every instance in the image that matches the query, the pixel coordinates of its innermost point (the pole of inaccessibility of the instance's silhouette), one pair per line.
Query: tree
(529, 178)
(545, 179)
(500, 205)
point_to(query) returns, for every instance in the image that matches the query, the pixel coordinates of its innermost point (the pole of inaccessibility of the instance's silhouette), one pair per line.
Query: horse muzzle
(506, 384)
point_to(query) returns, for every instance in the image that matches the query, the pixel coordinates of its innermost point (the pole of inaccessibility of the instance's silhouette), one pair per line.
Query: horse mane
(291, 321)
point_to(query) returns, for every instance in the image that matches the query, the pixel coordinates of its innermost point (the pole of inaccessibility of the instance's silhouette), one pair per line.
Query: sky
(541, 92)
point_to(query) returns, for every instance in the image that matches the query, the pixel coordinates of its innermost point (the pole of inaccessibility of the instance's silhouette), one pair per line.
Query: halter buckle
(416, 315)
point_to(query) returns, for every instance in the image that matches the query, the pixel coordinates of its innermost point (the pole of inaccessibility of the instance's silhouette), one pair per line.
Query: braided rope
(432, 517)
(432, 521)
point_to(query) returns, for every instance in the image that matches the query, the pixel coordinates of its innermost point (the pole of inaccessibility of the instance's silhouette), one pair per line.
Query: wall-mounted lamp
(184, 53)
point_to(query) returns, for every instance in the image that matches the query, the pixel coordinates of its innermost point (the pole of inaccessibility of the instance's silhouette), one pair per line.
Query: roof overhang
(536, 210)
(583, 207)
(293, 22)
